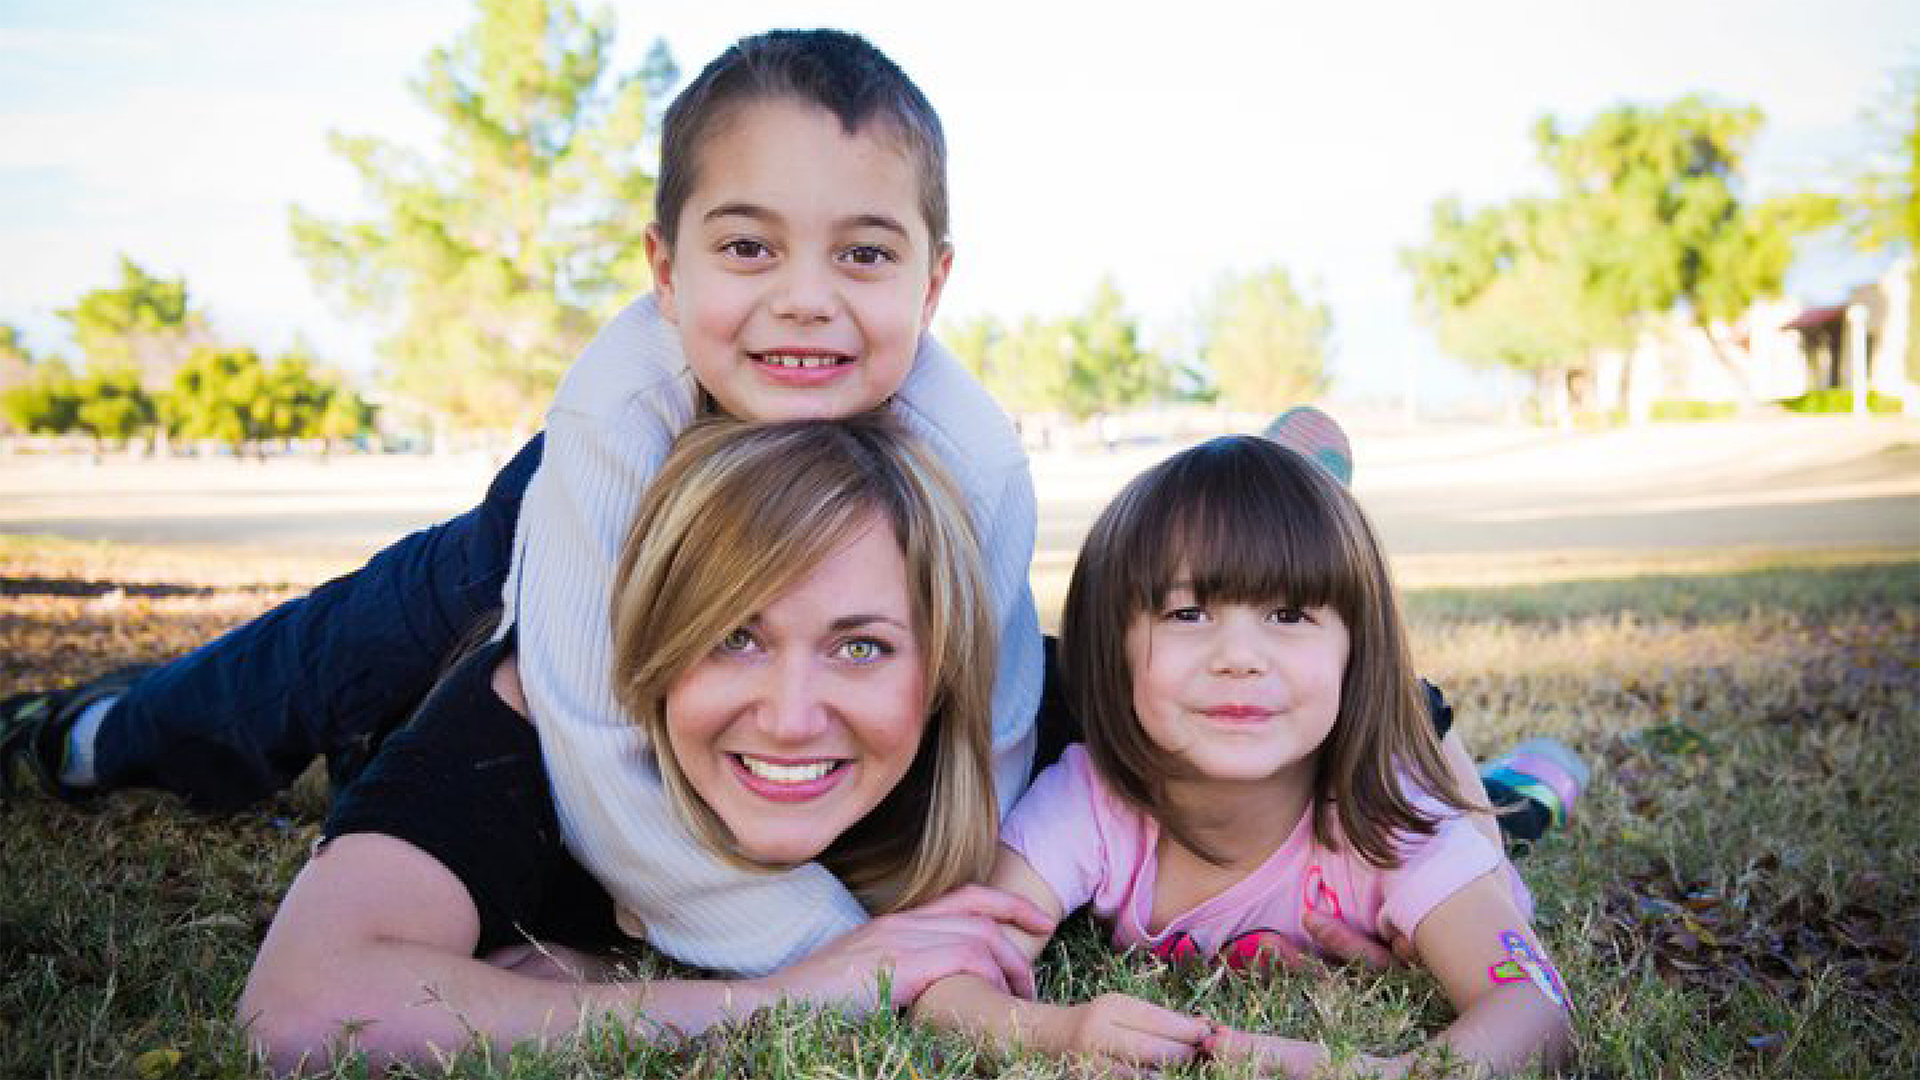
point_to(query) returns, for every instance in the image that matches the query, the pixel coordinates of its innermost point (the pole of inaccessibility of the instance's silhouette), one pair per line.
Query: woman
(799, 626)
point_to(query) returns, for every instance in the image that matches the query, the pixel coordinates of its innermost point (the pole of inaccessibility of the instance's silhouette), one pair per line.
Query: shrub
(1839, 399)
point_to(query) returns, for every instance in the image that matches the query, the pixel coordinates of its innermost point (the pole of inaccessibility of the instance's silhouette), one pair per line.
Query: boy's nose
(805, 294)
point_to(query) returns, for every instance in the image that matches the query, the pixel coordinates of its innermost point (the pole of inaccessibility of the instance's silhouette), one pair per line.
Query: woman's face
(810, 712)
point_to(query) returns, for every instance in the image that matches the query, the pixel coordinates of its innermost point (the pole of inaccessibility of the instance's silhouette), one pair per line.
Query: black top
(464, 781)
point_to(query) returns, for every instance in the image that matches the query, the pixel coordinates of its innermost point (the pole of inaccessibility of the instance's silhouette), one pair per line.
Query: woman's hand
(964, 931)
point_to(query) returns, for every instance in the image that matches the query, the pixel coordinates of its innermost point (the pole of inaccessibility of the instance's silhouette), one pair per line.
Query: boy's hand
(1124, 1031)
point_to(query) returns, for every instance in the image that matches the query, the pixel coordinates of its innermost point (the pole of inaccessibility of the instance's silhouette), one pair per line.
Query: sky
(1162, 145)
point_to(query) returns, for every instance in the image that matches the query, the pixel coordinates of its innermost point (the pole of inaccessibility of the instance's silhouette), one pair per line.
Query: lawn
(1737, 895)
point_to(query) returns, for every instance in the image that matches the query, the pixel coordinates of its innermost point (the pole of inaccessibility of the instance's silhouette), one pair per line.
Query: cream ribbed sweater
(617, 411)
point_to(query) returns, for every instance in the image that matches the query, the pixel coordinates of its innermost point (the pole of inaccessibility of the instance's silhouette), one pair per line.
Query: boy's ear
(660, 259)
(942, 265)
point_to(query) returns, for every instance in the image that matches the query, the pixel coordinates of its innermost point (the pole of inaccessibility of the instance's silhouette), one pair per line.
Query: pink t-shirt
(1092, 847)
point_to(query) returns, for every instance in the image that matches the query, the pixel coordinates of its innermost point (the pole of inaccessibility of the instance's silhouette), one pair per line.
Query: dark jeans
(239, 718)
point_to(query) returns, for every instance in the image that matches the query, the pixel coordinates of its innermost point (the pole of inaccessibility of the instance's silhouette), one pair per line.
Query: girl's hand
(1341, 941)
(1292, 1057)
(963, 932)
(1116, 1029)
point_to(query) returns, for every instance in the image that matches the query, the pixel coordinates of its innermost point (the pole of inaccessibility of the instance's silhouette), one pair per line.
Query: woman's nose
(791, 708)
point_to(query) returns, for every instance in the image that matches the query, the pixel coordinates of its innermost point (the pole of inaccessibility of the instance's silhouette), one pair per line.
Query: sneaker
(1533, 786)
(34, 726)
(1314, 435)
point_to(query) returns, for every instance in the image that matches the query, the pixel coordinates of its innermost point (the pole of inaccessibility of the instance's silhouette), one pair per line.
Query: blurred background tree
(496, 262)
(1646, 220)
(230, 395)
(1265, 341)
(146, 324)
(1886, 199)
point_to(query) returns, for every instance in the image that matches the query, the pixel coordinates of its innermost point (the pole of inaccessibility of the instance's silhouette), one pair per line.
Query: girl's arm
(372, 950)
(1115, 1028)
(1513, 1008)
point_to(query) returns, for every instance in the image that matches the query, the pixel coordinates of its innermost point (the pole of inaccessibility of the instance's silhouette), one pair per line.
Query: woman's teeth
(774, 772)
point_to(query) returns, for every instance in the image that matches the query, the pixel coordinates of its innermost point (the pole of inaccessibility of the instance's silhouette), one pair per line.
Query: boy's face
(803, 274)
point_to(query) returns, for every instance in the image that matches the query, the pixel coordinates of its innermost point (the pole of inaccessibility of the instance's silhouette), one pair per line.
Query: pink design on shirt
(1095, 850)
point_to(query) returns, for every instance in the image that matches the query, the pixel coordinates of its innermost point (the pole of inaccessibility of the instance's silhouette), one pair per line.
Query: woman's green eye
(862, 649)
(739, 639)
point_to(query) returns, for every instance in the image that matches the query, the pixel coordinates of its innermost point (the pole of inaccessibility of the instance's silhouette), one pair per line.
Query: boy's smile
(803, 274)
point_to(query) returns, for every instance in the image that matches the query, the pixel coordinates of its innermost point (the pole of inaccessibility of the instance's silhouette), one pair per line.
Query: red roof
(1819, 316)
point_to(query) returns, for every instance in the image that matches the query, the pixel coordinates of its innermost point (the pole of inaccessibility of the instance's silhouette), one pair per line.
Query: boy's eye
(863, 650)
(868, 255)
(745, 249)
(739, 639)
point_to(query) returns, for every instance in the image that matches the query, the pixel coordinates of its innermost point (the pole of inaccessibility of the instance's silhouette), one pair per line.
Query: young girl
(1257, 749)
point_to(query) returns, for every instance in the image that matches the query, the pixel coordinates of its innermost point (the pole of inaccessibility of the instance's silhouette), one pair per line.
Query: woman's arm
(1512, 1006)
(372, 949)
(344, 967)
(1114, 1028)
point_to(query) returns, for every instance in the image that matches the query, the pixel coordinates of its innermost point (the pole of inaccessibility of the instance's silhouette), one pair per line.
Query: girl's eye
(1192, 613)
(1288, 615)
(868, 255)
(745, 249)
(864, 650)
(739, 639)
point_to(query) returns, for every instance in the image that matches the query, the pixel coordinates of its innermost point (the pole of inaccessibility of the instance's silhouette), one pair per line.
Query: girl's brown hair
(739, 514)
(1242, 519)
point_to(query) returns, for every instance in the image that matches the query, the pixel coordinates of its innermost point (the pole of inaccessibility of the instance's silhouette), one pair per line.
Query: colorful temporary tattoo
(1523, 964)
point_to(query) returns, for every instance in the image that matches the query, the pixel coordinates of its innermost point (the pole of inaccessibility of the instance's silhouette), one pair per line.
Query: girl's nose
(1237, 651)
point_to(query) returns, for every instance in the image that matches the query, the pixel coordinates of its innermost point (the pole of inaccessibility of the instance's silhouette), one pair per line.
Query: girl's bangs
(1242, 532)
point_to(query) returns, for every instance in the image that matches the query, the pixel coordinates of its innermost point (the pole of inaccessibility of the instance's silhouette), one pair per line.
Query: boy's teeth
(786, 361)
(786, 774)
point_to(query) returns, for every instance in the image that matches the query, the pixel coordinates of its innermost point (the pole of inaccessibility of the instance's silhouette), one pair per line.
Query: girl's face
(808, 714)
(1240, 691)
(802, 273)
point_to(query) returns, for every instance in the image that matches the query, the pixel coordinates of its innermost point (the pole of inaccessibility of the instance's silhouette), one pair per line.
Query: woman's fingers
(924, 948)
(991, 903)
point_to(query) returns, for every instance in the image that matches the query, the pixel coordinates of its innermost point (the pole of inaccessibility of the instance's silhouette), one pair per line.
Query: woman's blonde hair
(742, 512)
(1242, 519)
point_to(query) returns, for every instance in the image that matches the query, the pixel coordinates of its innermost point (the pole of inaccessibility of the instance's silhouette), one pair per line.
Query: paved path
(1796, 484)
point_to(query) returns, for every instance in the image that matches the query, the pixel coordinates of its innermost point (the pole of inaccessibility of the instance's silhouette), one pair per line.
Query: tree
(1112, 370)
(47, 402)
(1660, 225)
(233, 396)
(494, 263)
(113, 406)
(16, 360)
(1646, 220)
(146, 324)
(1886, 202)
(1265, 341)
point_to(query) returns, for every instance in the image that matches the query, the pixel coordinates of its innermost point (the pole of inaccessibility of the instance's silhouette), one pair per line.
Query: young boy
(799, 249)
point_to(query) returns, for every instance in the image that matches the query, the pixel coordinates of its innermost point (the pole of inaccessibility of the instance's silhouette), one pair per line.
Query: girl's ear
(660, 259)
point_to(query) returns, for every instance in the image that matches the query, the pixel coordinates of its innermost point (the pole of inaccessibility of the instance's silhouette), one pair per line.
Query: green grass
(1736, 896)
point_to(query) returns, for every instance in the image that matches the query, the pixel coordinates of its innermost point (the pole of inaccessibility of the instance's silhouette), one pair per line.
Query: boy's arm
(616, 414)
(1113, 1027)
(1512, 1006)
